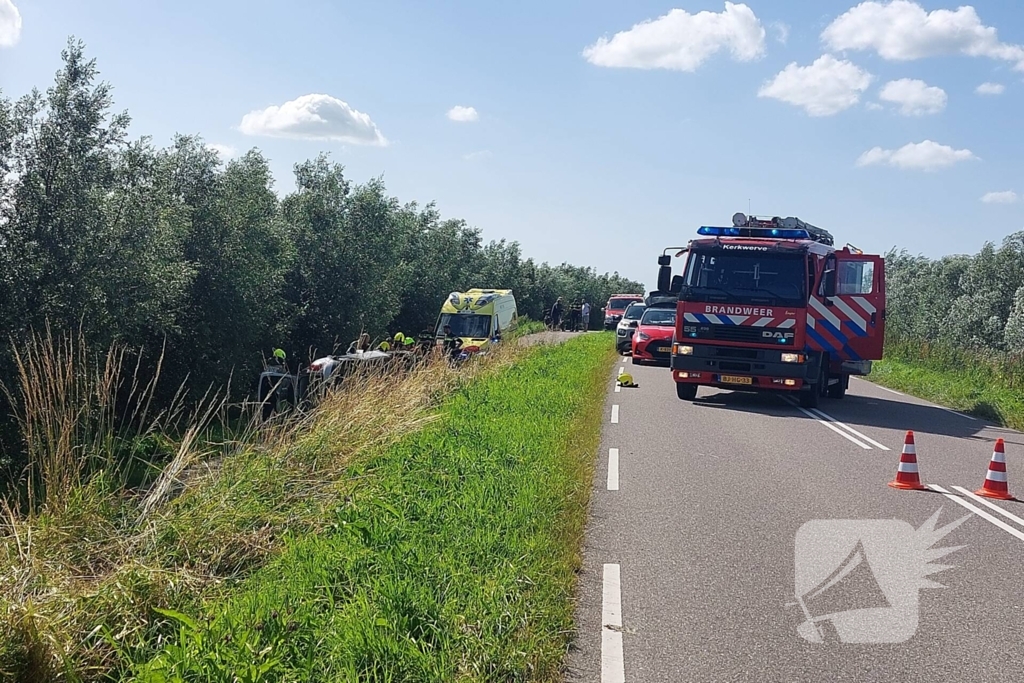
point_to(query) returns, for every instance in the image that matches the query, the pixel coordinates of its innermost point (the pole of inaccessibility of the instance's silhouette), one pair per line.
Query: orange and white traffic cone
(995, 481)
(907, 476)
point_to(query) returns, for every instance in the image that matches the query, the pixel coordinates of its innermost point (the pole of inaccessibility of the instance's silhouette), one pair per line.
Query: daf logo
(769, 334)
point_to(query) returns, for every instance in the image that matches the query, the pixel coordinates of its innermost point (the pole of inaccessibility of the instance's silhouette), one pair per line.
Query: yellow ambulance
(477, 316)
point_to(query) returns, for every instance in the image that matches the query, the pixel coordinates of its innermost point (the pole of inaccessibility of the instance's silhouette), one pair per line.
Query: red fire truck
(771, 304)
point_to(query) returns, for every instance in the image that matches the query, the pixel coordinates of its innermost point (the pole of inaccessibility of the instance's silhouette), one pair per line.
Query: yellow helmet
(626, 380)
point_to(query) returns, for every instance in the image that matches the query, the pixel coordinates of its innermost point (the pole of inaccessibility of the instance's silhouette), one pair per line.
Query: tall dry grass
(78, 412)
(87, 560)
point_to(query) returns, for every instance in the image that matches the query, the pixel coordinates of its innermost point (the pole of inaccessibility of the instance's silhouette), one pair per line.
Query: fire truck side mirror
(828, 280)
(664, 272)
(830, 283)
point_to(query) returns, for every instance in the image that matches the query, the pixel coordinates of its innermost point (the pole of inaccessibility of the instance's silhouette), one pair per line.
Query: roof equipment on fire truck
(790, 228)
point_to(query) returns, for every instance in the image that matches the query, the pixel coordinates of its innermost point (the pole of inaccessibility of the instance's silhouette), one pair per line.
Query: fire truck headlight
(792, 358)
(683, 350)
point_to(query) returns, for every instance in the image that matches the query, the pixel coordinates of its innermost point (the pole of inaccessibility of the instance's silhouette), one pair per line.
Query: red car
(652, 341)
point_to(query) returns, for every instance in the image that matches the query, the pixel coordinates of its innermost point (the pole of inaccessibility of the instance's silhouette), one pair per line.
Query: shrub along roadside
(451, 555)
(983, 383)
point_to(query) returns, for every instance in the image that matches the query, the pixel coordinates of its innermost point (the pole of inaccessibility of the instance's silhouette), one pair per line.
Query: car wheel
(635, 360)
(686, 392)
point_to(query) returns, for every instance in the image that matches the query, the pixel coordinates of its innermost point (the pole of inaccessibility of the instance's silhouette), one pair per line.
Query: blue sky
(599, 157)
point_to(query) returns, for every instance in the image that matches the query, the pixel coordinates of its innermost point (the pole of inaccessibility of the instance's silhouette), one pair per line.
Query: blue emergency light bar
(779, 233)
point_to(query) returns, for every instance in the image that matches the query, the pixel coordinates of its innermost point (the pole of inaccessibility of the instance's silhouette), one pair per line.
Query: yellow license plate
(729, 379)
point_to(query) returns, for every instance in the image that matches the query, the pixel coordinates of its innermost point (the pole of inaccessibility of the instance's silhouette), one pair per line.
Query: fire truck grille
(736, 333)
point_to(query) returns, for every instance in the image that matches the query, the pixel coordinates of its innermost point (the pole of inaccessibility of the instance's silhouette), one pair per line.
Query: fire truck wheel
(686, 392)
(810, 395)
(838, 390)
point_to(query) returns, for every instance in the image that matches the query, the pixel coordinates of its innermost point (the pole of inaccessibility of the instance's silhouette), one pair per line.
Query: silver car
(624, 330)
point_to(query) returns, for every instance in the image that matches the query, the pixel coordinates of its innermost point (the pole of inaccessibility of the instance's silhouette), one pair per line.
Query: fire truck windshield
(745, 277)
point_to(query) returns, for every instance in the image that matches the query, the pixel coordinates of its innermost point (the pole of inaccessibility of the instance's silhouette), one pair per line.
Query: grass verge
(85, 566)
(979, 384)
(450, 556)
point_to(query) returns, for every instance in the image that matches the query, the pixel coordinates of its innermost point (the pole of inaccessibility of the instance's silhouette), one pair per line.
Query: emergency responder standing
(556, 314)
(585, 316)
(452, 344)
(426, 341)
(574, 315)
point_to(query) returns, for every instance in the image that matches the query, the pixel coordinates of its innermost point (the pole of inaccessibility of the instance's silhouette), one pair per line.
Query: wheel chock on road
(907, 476)
(626, 380)
(995, 479)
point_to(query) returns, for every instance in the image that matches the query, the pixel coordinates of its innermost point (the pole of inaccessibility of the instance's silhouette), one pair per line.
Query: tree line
(171, 246)
(176, 252)
(970, 302)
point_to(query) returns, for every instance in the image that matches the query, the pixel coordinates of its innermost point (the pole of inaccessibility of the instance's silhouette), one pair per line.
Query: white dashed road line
(613, 469)
(613, 669)
(615, 414)
(1013, 531)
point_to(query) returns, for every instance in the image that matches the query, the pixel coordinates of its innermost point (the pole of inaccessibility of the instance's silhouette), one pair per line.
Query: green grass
(988, 385)
(450, 555)
(527, 326)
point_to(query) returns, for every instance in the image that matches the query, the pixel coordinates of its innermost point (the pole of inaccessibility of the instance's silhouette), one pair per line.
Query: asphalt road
(701, 528)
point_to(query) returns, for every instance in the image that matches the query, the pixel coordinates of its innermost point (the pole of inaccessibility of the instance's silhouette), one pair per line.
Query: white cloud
(916, 98)
(873, 106)
(476, 156)
(225, 152)
(781, 30)
(681, 41)
(826, 87)
(902, 30)
(10, 24)
(920, 156)
(463, 114)
(314, 117)
(990, 89)
(1008, 197)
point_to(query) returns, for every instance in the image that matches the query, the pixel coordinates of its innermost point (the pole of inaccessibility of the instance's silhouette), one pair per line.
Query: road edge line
(835, 429)
(1013, 531)
(990, 504)
(850, 429)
